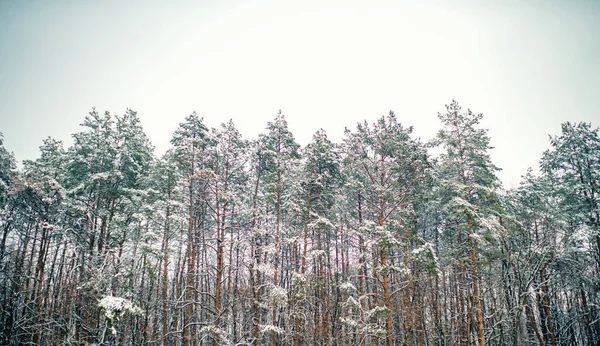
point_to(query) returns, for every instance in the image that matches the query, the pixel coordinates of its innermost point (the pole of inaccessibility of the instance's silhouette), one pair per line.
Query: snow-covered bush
(116, 307)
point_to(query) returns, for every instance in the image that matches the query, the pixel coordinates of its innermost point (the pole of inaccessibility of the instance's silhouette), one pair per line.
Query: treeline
(228, 241)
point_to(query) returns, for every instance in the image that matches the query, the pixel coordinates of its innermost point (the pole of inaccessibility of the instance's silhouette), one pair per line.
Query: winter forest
(228, 241)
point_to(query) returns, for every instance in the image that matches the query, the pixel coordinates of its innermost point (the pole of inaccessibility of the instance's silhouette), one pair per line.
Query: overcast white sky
(526, 65)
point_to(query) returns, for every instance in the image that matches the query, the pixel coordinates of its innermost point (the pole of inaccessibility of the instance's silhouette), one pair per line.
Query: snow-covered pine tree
(278, 152)
(226, 155)
(320, 180)
(189, 142)
(391, 164)
(573, 162)
(469, 179)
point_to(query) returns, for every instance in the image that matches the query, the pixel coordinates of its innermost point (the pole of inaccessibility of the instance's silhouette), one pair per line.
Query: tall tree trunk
(37, 285)
(546, 304)
(531, 318)
(303, 265)
(383, 253)
(462, 316)
(219, 265)
(408, 310)
(277, 249)
(478, 312)
(165, 278)
(362, 270)
(191, 255)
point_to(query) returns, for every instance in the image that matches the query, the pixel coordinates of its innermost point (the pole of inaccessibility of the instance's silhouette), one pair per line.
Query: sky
(526, 65)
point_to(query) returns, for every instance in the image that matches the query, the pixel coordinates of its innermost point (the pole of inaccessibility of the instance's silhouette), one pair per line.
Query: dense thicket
(228, 241)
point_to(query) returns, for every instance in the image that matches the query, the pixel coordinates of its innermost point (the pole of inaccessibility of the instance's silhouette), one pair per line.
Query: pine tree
(7, 218)
(189, 141)
(7, 167)
(321, 178)
(533, 249)
(226, 158)
(468, 176)
(574, 164)
(165, 196)
(391, 163)
(278, 151)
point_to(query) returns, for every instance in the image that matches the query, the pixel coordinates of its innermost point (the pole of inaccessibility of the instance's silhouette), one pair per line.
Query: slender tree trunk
(220, 239)
(37, 285)
(165, 278)
(478, 312)
(463, 325)
(255, 273)
(531, 318)
(277, 249)
(386, 285)
(546, 304)
(408, 311)
(191, 254)
(303, 265)
(362, 270)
